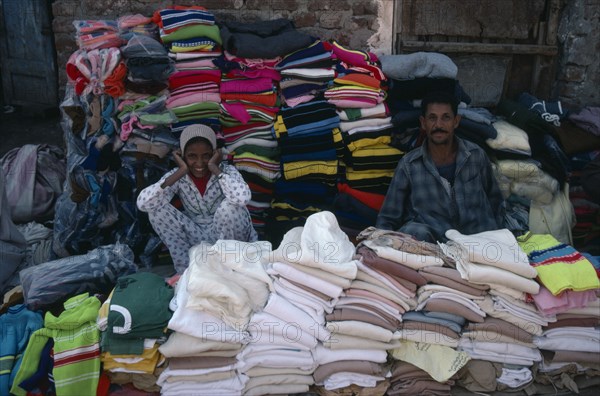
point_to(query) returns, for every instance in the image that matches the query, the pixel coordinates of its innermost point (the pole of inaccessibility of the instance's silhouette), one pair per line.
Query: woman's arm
(234, 186)
(181, 171)
(161, 192)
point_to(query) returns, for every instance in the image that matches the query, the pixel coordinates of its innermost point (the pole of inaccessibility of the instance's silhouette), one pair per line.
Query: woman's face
(196, 157)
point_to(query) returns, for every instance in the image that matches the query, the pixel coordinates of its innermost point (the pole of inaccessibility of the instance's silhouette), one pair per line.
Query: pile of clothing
(486, 312)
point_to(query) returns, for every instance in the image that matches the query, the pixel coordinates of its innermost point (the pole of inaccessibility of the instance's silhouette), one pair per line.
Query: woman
(214, 198)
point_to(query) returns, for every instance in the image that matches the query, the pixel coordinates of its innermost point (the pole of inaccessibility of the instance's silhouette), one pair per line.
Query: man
(445, 184)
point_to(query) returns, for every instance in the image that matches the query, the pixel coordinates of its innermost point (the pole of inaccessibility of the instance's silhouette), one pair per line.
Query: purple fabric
(35, 174)
(253, 85)
(12, 242)
(237, 111)
(549, 304)
(588, 119)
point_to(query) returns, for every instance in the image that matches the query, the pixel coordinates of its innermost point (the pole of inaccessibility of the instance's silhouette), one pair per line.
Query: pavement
(18, 128)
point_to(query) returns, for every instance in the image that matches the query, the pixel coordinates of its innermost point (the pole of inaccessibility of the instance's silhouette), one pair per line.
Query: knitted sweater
(76, 348)
(16, 327)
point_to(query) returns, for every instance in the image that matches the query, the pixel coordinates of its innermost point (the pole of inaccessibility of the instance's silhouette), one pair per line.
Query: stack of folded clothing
(358, 92)
(368, 156)
(224, 285)
(382, 279)
(583, 149)
(407, 379)
(193, 42)
(364, 318)
(445, 305)
(202, 349)
(494, 259)
(97, 34)
(263, 39)
(278, 360)
(568, 279)
(146, 118)
(355, 91)
(125, 366)
(449, 297)
(487, 343)
(570, 348)
(429, 326)
(568, 345)
(569, 284)
(353, 206)
(249, 98)
(188, 30)
(148, 65)
(313, 278)
(498, 341)
(133, 325)
(526, 184)
(359, 83)
(137, 24)
(311, 281)
(260, 172)
(194, 97)
(414, 75)
(540, 140)
(306, 135)
(306, 73)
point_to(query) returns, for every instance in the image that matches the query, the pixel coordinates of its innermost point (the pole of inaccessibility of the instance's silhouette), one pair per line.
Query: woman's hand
(215, 161)
(180, 162)
(179, 173)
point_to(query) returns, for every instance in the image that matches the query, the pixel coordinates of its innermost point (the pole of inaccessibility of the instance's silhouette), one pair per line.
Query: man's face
(439, 123)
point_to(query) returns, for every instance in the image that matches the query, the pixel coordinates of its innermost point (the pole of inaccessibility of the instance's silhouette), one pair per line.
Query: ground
(18, 128)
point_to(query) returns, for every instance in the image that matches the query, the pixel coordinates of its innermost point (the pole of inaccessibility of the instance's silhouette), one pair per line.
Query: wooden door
(27, 55)
(501, 47)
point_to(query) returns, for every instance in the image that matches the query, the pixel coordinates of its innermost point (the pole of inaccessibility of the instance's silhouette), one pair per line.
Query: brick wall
(350, 22)
(359, 24)
(578, 78)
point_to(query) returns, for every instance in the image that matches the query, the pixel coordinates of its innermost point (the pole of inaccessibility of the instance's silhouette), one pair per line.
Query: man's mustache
(439, 130)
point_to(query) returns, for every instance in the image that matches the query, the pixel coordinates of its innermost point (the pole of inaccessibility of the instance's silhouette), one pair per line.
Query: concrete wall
(578, 78)
(358, 24)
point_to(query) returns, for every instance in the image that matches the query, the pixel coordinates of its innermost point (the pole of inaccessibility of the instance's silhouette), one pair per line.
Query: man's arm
(392, 211)
(492, 190)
